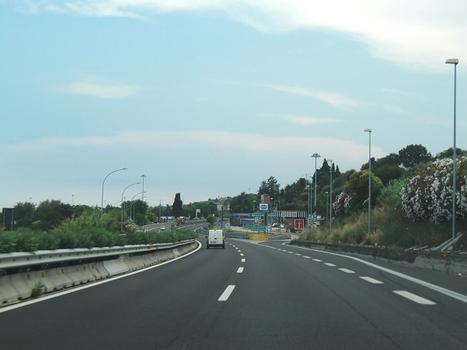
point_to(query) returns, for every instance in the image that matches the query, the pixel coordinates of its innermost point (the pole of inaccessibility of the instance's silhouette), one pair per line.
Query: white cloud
(417, 32)
(335, 99)
(89, 88)
(304, 120)
(350, 153)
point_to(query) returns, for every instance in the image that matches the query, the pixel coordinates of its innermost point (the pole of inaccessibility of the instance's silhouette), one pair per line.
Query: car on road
(215, 238)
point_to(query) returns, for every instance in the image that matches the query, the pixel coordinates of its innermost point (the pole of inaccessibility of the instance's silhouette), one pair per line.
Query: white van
(215, 239)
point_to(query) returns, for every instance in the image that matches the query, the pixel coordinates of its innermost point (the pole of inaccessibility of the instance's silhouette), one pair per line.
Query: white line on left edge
(94, 284)
(224, 296)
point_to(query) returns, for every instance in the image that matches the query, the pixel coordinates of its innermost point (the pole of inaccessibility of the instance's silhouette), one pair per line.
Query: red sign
(299, 224)
(265, 198)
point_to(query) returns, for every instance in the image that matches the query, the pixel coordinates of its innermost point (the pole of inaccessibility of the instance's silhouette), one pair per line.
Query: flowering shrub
(428, 195)
(342, 204)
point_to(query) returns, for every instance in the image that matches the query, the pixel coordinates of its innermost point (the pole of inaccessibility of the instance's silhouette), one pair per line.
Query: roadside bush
(428, 196)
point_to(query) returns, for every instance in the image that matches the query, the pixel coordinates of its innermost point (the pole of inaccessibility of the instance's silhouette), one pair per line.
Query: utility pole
(330, 195)
(316, 156)
(142, 181)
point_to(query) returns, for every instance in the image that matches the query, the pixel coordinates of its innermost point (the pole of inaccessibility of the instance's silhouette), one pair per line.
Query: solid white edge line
(371, 280)
(226, 294)
(94, 284)
(435, 287)
(414, 297)
(240, 269)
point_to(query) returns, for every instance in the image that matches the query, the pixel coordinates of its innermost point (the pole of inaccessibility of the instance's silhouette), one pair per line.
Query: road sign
(299, 224)
(258, 228)
(265, 198)
(263, 207)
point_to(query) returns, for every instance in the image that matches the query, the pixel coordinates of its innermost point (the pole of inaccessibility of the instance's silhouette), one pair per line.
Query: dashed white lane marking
(371, 280)
(239, 251)
(414, 297)
(346, 270)
(439, 289)
(240, 269)
(329, 264)
(306, 257)
(241, 254)
(298, 254)
(226, 294)
(289, 252)
(243, 260)
(317, 260)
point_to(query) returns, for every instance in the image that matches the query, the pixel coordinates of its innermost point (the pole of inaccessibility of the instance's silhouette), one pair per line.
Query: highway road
(248, 296)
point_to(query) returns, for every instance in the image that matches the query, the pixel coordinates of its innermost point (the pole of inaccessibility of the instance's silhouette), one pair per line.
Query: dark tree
(24, 214)
(413, 155)
(177, 206)
(51, 213)
(271, 187)
(389, 172)
(243, 203)
(448, 153)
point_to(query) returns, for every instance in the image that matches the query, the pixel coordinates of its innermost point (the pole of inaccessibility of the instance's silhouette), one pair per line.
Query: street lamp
(369, 131)
(455, 62)
(123, 203)
(316, 156)
(103, 183)
(142, 193)
(330, 195)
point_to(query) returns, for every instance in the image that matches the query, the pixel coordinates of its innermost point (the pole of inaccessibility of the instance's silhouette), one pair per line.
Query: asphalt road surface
(246, 296)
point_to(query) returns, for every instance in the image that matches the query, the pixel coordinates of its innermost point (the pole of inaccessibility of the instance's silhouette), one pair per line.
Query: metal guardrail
(23, 259)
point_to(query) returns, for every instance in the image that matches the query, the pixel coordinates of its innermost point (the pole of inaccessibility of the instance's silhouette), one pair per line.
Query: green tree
(24, 214)
(243, 203)
(270, 186)
(413, 155)
(448, 153)
(387, 173)
(177, 206)
(51, 213)
(357, 188)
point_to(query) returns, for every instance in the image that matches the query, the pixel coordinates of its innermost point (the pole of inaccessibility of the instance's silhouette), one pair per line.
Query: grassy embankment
(390, 226)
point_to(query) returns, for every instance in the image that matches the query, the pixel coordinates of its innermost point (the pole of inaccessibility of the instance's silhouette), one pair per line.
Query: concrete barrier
(18, 286)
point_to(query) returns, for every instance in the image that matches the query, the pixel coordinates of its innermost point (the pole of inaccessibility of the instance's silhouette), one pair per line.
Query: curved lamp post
(103, 183)
(123, 203)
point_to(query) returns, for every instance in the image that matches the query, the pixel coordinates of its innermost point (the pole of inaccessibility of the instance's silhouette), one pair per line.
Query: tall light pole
(369, 131)
(455, 62)
(123, 202)
(316, 156)
(330, 195)
(103, 183)
(308, 186)
(142, 193)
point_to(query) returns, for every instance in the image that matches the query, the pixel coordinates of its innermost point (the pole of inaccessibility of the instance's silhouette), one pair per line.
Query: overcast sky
(209, 97)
